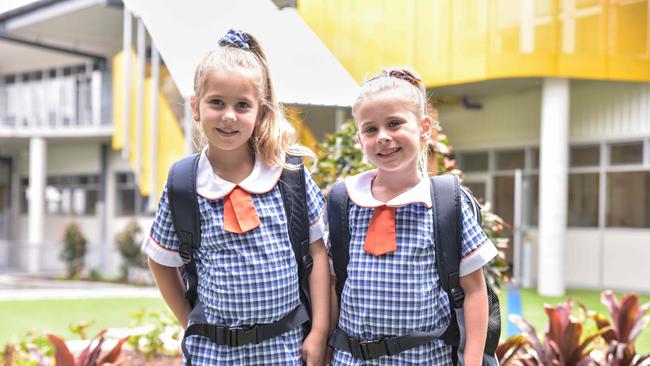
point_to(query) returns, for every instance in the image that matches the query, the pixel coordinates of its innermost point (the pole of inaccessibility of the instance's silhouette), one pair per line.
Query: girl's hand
(313, 349)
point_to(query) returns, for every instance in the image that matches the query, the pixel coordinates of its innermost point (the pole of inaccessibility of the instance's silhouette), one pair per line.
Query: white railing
(63, 101)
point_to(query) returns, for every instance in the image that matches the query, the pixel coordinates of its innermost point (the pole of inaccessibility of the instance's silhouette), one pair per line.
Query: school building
(546, 102)
(93, 110)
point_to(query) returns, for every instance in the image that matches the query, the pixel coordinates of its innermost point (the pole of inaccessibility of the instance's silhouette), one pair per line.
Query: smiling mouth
(227, 132)
(388, 152)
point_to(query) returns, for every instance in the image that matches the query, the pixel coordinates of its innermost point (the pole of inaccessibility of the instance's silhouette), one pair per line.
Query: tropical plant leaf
(62, 354)
(114, 353)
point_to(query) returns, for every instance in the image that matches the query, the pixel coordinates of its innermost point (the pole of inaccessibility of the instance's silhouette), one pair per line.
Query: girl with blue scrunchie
(246, 269)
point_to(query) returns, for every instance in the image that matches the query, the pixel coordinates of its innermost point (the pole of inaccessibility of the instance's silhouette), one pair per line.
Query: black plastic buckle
(369, 350)
(457, 297)
(237, 336)
(185, 250)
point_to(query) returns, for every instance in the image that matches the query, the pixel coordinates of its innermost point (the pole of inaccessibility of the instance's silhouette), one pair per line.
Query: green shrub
(74, 250)
(128, 243)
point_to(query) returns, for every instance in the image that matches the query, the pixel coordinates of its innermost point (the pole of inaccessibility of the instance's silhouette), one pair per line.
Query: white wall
(599, 110)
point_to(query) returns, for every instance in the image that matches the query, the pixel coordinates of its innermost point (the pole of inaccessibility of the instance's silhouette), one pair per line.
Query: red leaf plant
(563, 344)
(628, 319)
(89, 356)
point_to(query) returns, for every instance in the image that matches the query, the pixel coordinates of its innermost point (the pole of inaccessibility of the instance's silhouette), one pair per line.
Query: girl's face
(227, 111)
(390, 132)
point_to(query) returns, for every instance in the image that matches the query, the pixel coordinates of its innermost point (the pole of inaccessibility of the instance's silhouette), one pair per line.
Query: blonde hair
(273, 136)
(408, 84)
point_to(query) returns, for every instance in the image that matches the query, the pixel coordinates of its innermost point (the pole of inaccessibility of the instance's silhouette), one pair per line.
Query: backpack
(184, 205)
(446, 194)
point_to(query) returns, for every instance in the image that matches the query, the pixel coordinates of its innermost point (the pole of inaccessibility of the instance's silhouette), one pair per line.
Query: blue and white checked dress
(243, 279)
(398, 293)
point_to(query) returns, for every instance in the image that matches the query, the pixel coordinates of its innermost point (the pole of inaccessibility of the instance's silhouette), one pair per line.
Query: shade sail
(302, 68)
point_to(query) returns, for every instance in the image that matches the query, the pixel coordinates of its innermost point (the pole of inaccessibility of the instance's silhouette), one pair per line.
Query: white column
(126, 98)
(153, 154)
(553, 180)
(139, 104)
(339, 118)
(36, 214)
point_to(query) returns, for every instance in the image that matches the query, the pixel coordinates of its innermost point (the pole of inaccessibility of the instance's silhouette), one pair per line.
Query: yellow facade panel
(451, 42)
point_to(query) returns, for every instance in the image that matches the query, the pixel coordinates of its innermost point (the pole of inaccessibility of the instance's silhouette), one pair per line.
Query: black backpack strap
(294, 196)
(447, 231)
(339, 233)
(445, 192)
(184, 205)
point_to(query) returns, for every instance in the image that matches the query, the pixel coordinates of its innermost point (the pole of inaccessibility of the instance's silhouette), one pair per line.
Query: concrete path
(23, 287)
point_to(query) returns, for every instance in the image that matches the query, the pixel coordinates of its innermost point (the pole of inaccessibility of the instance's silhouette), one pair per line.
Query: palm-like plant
(628, 319)
(564, 344)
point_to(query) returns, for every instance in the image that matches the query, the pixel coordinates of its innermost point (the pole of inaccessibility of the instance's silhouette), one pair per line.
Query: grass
(21, 316)
(533, 310)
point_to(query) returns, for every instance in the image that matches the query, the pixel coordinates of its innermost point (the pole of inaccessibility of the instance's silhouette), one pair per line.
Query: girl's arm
(172, 289)
(476, 316)
(319, 289)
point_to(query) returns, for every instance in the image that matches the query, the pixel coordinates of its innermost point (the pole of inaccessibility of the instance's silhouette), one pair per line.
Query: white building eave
(302, 68)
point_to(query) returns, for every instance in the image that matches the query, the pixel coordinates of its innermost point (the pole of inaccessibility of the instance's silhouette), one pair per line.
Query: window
(626, 153)
(129, 200)
(628, 199)
(510, 160)
(583, 200)
(581, 156)
(474, 162)
(504, 197)
(69, 195)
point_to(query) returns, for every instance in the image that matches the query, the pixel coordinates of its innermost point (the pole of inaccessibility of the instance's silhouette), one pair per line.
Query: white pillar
(553, 180)
(139, 104)
(36, 214)
(126, 98)
(153, 153)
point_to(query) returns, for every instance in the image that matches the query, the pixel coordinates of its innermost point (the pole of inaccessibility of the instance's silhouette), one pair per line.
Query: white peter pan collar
(209, 185)
(359, 190)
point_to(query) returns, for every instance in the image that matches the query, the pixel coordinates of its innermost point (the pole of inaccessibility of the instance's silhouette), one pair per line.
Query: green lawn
(533, 310)
(20, 316)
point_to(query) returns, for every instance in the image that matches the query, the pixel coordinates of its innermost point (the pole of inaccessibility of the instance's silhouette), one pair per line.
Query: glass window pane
(532, 203)
(474, 162)
(627, 153)
(510, 160)
(585, 155)
(535, 158)
(583, 200)
(628, 199)
(504, 197)
(125, 205)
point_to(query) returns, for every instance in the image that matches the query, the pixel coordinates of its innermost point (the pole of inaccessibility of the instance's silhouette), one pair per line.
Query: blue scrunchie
(235, 38)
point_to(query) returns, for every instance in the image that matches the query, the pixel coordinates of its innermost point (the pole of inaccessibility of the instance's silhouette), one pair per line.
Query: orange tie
(381, 238)
(239, 215)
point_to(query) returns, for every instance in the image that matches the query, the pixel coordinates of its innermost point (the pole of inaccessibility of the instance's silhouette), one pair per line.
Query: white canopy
(302, 68)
